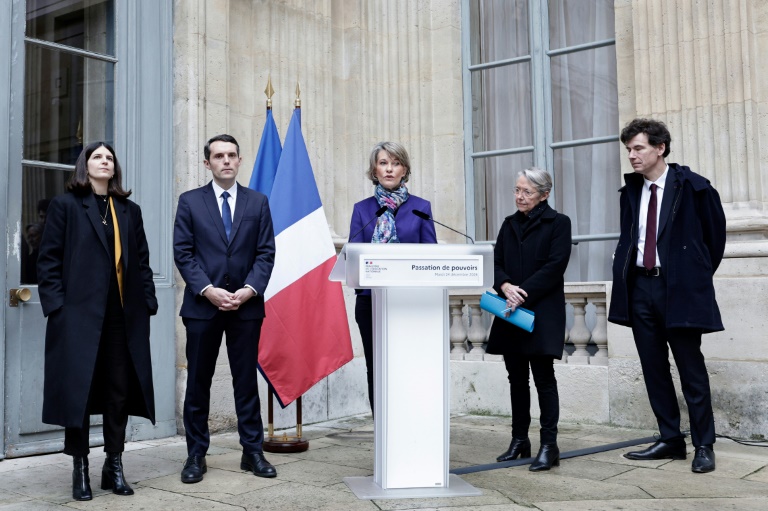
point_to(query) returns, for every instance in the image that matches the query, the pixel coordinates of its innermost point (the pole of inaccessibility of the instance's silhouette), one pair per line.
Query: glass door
(68, 71)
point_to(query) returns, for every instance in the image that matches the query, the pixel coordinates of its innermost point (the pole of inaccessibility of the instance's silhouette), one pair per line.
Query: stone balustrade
(586, 335)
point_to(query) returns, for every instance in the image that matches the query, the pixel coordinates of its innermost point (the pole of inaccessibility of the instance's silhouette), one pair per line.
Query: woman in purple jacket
(389, 170)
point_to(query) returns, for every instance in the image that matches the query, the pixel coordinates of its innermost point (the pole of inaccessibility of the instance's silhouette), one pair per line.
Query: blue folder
(522, 318)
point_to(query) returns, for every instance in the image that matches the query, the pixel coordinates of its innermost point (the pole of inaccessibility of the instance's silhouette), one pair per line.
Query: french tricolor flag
(305, 336)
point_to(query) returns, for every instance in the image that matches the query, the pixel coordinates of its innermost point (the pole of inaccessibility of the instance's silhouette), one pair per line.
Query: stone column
(579, 334)
(476, 334)
(600, 333)
(700, 67)
(458, 332)
(190, 58)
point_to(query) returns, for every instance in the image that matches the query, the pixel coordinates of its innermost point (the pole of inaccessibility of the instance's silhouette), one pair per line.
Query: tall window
(540, 90)
(68, 100)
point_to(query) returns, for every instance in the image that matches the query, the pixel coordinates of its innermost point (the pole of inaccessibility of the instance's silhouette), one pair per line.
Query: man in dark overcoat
(672, 241)
(224, 248)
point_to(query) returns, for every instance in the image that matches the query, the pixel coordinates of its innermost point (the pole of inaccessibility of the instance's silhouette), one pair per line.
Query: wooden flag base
(284, 443)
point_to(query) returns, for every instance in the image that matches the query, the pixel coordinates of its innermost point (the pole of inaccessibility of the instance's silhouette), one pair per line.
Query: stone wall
(368, 71)
(699, 67)
(377, 70)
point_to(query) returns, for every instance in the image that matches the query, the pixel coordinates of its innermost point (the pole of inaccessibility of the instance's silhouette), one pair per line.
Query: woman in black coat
(97, 292)
(530, 259)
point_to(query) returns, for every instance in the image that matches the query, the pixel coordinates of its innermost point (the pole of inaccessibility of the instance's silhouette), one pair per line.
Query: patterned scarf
(385, 231)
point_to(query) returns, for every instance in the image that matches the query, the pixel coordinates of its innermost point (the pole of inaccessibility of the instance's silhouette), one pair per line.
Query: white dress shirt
(232, 200)
(645, 198)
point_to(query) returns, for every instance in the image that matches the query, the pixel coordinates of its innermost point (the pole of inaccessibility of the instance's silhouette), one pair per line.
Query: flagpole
(269, 92)
(283, 443)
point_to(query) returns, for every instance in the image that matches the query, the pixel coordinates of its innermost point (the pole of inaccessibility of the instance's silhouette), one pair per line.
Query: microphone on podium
(425, 216)
(379, 212)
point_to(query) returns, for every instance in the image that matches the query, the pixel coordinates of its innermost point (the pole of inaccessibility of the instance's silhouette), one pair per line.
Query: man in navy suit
(224, 248)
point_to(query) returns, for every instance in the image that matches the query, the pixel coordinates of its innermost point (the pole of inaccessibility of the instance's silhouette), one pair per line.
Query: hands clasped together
(515, 296)
(227, 301)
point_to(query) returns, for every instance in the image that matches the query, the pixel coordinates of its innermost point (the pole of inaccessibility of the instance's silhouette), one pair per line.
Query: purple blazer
(410, 228)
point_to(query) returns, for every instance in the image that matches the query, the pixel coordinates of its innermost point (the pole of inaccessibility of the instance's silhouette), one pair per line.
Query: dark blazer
(535, 261)
(690, 243)
(74, 269)
(203, 255)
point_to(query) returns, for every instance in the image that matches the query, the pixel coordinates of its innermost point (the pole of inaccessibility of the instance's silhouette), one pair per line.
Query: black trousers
(543, 370)
(654, 340)
(110, 382)
(364, 319)
(203, 342)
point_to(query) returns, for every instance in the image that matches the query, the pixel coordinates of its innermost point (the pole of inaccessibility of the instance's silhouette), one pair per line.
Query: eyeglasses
(525, 193)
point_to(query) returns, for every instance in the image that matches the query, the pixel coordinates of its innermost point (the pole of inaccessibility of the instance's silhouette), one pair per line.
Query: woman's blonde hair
(395, 151)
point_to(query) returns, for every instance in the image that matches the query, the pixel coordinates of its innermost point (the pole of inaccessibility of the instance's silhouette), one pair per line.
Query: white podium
(412, 379)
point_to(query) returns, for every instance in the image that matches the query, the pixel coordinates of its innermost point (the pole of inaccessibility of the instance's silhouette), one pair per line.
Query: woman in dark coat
(389, 169)
(530, 258)
(96, 290)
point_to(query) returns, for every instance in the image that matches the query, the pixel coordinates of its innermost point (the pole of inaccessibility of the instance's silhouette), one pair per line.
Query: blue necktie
(226, 213)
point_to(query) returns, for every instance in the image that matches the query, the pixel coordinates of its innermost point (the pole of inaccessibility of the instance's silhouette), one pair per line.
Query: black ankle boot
(549, 455)
(81, 483)
(112, 477)
(518, 447)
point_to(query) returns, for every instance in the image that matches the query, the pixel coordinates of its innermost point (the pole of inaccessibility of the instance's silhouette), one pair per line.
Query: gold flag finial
(269, 91)
(297, 103)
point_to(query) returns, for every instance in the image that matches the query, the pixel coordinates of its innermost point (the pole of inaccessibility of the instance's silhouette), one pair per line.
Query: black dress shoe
(112, 476)
(673, 450)
(193, 470)
(518, 447)
(81, 483)
(704, 460)
(257, 464)
(548, 456)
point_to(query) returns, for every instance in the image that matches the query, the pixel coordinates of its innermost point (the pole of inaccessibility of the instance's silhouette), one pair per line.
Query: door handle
(21, 294)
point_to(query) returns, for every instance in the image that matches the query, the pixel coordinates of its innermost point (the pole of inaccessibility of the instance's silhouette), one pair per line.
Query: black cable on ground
(563, 456)
(744, 441)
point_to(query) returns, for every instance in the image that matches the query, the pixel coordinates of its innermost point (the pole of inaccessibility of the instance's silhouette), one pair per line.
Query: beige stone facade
(392, 70)
(699, 66)
(368, 71)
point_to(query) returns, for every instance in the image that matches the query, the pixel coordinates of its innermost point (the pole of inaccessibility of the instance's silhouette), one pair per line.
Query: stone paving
(313, 480)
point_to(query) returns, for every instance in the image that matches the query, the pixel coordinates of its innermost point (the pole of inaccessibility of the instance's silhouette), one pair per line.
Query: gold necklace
(106, 213)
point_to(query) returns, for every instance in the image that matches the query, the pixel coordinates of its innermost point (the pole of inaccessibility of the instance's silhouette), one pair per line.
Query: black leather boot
(549, 455)
(518, 447)
(112, 477)
(81, 483)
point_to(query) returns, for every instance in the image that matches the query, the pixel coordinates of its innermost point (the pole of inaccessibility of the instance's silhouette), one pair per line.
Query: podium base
(365, 488)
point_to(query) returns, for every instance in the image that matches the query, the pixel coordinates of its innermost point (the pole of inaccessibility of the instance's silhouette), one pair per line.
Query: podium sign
(410, 285)
(435, 271)
(413, 265)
